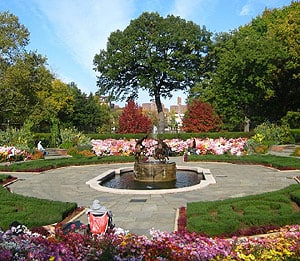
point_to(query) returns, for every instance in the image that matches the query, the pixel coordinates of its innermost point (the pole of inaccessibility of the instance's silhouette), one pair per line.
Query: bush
(296, 135)
(271, 134)
(71, 137)
(292, 119)
(20, 138)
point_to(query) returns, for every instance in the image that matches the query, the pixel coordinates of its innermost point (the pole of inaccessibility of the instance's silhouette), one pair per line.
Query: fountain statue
(157, 170)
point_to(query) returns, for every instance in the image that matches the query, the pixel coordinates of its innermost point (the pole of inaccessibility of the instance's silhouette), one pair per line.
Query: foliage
(156, 54)
(200, 117)
(256, 70)
(273, 208)
(24, 210)
(292, 119)
(80, 152)
(71, 137)
(4, 177)
(170, 136)
(21, 84)
(271, 134)
(14, 37)
(297, 152)
(28, 90)
(132, 120)
(20, 138)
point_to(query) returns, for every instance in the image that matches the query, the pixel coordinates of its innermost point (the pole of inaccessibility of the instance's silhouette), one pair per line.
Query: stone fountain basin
(94, 183)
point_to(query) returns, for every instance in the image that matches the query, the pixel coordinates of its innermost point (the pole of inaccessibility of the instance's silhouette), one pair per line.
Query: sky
(70, 32)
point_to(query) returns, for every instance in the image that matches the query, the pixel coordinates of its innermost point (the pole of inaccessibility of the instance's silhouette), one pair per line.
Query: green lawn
(231, 215)
(32, 212)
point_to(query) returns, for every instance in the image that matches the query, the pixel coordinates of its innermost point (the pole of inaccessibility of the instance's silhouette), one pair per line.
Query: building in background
(173, 116)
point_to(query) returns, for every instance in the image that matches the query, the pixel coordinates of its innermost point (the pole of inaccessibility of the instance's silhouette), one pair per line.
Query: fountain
(152, 173)
(159, 170)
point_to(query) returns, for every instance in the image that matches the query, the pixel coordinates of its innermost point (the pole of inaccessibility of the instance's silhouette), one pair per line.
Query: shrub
(292, 118)
(271, 134)
(20, 138)
(200, 117)
(132, 120)
(71, 137)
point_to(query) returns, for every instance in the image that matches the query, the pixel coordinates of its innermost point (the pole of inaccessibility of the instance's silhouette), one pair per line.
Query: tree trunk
(161, 115)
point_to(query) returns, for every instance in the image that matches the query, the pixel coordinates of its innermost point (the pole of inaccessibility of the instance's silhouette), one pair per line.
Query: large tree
(20, 87)
(156, 54)
(257, 70)
(14, 37)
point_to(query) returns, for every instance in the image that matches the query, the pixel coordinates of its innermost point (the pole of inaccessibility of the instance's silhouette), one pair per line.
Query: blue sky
(70, 32)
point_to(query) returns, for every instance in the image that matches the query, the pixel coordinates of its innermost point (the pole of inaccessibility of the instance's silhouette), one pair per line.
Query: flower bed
(219, 146)
(5, 151)
(21, 244)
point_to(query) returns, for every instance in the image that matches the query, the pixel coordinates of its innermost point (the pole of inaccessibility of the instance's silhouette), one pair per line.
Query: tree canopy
(200, 117)
(156, 54)
(30, 91)
(132, 120)
(256, 69)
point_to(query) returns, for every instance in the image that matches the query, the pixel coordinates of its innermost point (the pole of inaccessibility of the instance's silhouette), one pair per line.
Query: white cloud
(84, 26)
(246, 10)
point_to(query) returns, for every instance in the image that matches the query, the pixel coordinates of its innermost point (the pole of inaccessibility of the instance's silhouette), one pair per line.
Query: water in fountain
(127, 180)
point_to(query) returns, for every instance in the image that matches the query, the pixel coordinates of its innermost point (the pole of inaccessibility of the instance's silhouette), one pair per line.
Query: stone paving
(140, 213)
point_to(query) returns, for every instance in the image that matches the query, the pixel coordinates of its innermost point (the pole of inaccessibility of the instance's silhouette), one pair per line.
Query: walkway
(140, 213)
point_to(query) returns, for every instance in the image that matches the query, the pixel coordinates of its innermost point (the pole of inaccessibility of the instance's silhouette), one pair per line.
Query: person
(97, 208)
(41, 148)
(194, 146)
(11, 153)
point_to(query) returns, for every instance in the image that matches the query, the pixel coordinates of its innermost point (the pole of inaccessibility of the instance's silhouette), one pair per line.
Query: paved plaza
(140, 213)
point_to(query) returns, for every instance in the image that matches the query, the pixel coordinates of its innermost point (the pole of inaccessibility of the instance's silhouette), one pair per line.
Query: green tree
(89, 114)
(55, 104)
(20, 85)
(256, 70)
(13, 39)
(156, 54)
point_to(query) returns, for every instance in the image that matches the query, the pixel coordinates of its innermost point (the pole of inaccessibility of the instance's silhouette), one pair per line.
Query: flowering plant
(118, 245)
(124, 147)
(6, 150)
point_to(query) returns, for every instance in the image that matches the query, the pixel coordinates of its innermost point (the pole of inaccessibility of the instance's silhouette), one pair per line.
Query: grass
(42, 165)
(244, 215)
(212, 218)
(265, 159)
(32, 212)
(4, 177)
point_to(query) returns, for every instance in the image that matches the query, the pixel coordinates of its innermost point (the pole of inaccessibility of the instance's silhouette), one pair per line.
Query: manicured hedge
(182, 136)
